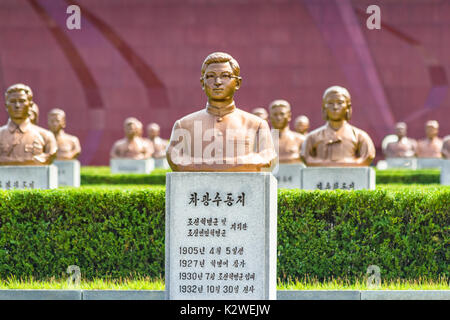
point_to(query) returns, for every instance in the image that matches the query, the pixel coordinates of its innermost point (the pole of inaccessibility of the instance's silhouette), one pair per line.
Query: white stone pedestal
(221, 235)
(402, 163)
(161, 163)
(288, 175)
(445, 172)
(131, 166)
(330, 178)
(68, 172)
(28, 177)
(428, 163)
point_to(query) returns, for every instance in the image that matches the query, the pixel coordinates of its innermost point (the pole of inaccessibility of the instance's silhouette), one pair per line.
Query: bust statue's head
(34, 113)
(301, 124)
(220, 77)
(432, 129)
(56, 120)
(153, 130)
(261, 112)
(18, 100)
(280, 114)
(336, 104)
(132, 128)
(401, 129)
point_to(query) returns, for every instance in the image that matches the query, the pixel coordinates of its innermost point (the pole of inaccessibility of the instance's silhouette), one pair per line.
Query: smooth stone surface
(402, 163)
(205, 244)
(123, 295)
(405, 295)
(318, 295)
(68, 172)
(288, 175)
(425, 163)
(131, 166)
(28, 177)
(347, 178)
(13, 294)
(161, 163)
(445, 172)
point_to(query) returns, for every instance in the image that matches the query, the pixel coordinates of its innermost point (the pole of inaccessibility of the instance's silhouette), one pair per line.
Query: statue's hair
(153, 125)
(57, 111)
(133, 119)
(302, 118)
(403, 124)
(339, 90)
(280, 103)
(220, 57)
(432, 123)
(20, 87)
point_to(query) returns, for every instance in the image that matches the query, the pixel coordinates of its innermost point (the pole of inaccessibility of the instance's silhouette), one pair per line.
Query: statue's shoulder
(251, 118)
(316, 132)
(190, 118)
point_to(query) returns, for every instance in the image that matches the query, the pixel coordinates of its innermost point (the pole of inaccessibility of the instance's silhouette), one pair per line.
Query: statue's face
(336, 106)
(431, 131)
(219, 82)
(131, 129)
(302, 126)
(17, 105)
(400, 131)
(152, 132)
(280, 117)
(55, 122)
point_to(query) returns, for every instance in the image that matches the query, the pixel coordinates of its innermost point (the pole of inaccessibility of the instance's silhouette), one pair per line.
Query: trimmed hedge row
(102, 175)
(120, 233)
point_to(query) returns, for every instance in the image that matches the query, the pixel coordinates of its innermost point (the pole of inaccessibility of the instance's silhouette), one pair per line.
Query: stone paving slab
(33, 294)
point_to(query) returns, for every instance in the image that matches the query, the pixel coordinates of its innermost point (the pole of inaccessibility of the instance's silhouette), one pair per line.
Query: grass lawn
(158, 284)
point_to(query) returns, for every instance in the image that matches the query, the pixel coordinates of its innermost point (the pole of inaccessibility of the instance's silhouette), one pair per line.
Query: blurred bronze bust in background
(220, 137)
(446, 148)
(261, 112)
(133, 146)
(289, 142)
(21, 141)
(404, 147)
(337, 143)
(431, 146)
(159, 145)
(68, 146)
(301, 125)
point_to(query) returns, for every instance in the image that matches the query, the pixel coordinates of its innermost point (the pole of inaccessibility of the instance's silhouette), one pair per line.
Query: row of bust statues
(219, 137)
(23, 142)
(401, 146)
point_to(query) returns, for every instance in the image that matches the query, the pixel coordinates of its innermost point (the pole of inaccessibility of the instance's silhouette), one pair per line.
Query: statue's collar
(23, 127)
(220, 111)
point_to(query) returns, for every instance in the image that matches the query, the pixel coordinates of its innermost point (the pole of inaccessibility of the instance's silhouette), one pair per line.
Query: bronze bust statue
(133, 146)
(446, 147)
(337, 143)
(289, 142)
(68, 146)
(261, 112)
(301, 125)
(431, 146)
(21, 141)
(404, 147)
(159, 145)
(220, 137)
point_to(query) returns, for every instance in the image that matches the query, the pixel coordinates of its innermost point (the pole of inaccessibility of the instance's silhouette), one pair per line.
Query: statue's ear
(349, 111)
(238, 82)
(202, 82)
(324, 113)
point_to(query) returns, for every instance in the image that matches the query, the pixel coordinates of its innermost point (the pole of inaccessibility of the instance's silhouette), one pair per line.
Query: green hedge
(102, 175)
(120, 232)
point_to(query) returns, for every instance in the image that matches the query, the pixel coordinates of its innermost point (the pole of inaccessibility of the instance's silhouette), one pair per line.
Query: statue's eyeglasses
(223, 77)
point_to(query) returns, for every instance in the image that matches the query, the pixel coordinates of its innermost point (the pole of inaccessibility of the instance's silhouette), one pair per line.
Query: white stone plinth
(221, 232)
(402, 163)
(288, 175)
(68, 172)
(428, 163)
(28, 177)
(161, 163)
(131, 165)
(445, 172)
(347, 178)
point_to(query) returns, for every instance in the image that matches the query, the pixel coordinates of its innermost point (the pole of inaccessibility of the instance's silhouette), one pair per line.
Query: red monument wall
(142, 58)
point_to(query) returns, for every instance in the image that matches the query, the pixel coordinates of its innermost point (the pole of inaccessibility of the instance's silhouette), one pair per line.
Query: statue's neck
(336, 125)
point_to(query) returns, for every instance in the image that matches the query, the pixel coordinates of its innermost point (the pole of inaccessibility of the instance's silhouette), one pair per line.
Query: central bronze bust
(220, 137)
